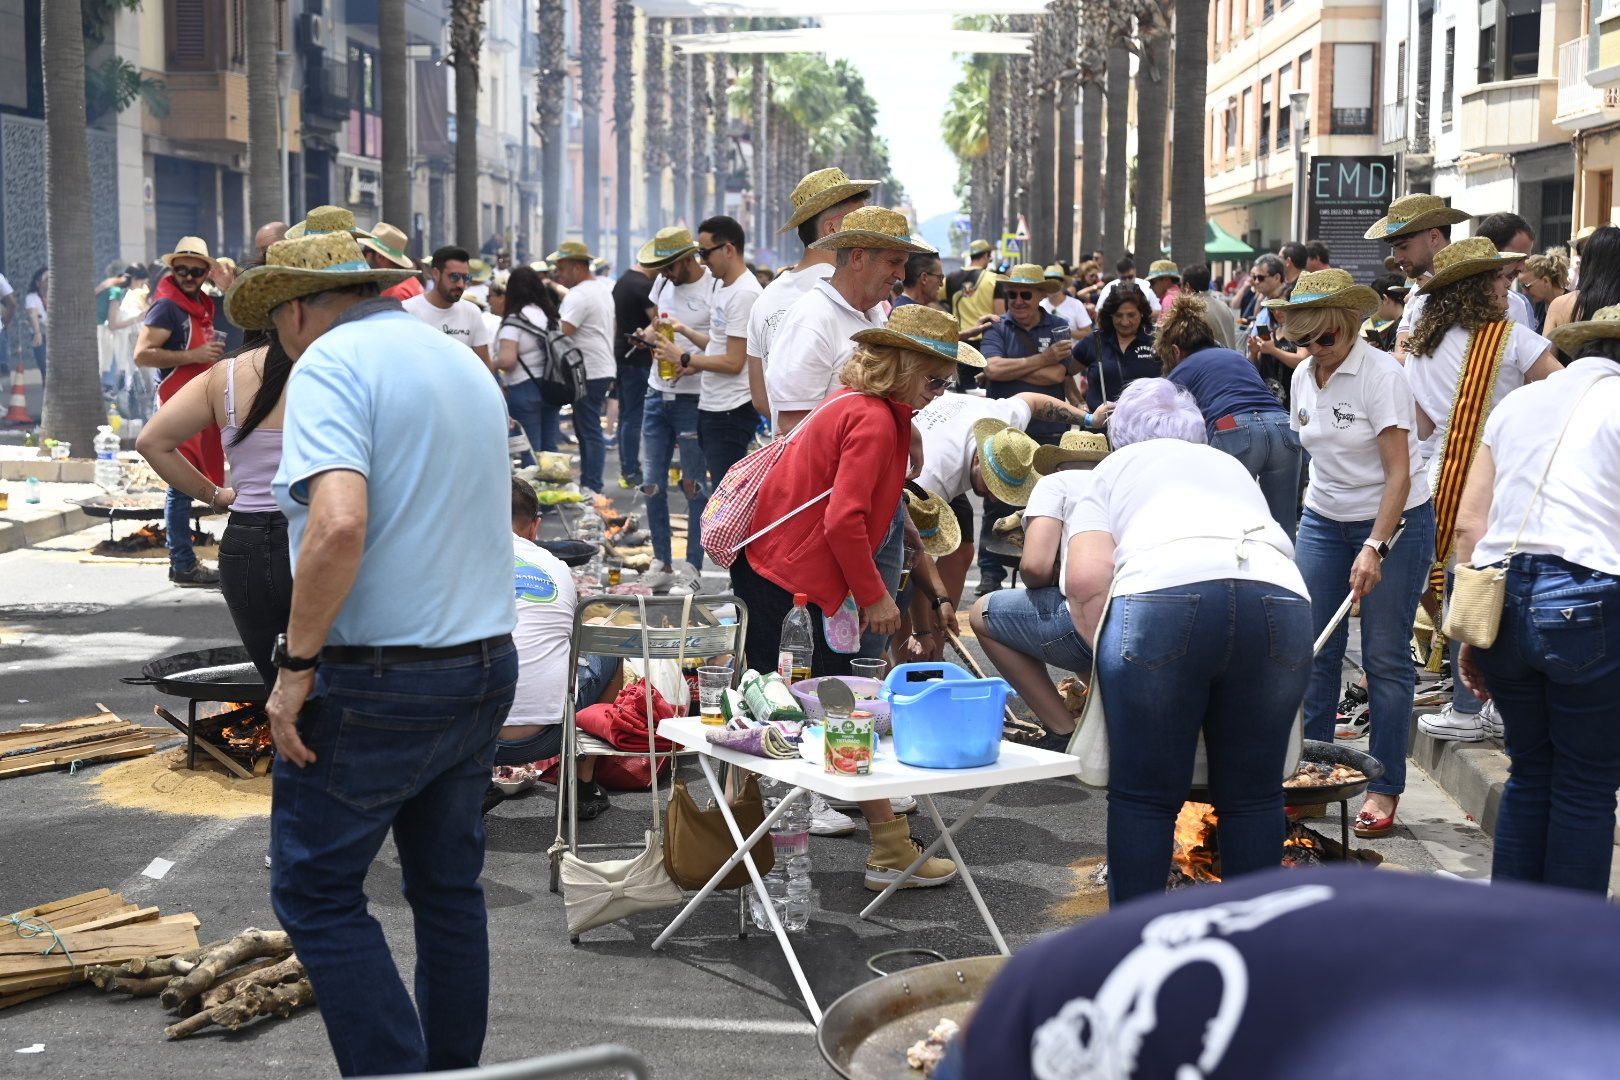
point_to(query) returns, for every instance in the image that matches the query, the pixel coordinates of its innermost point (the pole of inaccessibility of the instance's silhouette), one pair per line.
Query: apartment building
(1588, 110)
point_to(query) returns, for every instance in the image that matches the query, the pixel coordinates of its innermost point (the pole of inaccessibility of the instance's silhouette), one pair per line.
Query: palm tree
(1187, 165)
(999, 218)
(702, 108)
(720, 150)
(1093, 64)
(624, 111)
(73, 406)
(1152, 107)
(761, 83)
(657, 139)
(466, 40)
(590, 107)
(551, 89)
(1021, 127)
(1042, 194)
(1117, 185)
(1066, 14)
(391, 59)
(965, 128)
(680, 125)
(265, 190)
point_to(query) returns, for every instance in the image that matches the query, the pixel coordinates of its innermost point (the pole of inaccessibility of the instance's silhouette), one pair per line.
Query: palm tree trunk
(1119, 166)
(1152, 108)
(720, 150)
(1065, 172)
(590, 106)
(680, 126)
(979, 203)
(1043, 194)
(624, 111)
(1091, 171)
(396, 169)
(1021, 129)
(760, 139)
(73, 406)
(702, 107)
(551, 89)
(466, 39)
(657, 145)
(998, 150)
(266, 193)
(1187, 166)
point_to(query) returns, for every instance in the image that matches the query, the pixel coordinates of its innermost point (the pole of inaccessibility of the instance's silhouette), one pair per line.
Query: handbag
(1474, 612)
(699, 842)
(595, 893)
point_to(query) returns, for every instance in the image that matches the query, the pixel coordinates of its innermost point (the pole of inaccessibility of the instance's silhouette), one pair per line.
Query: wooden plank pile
(52, 946)
(102, 736)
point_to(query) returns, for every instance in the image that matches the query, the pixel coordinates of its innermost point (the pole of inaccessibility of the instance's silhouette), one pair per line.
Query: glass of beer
(712, 684)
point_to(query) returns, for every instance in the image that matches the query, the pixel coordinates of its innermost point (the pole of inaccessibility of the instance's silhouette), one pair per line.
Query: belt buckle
(1226, 423)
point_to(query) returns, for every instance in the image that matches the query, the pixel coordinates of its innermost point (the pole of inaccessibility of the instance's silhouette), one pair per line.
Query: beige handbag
(1474, 611)
(595, 893)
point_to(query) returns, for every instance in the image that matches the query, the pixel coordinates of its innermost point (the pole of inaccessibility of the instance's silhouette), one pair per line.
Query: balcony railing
(1580, 104)
(1393, 121)
(1353, 121)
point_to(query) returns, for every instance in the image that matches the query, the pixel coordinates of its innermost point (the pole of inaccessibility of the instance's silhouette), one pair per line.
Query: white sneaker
(905, 804)
(825, 821)
(1450, 724)
(1492, 718)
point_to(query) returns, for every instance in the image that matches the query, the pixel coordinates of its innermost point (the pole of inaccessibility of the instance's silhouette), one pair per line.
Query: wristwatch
(686, 359)
(939, 602)
(1380, 547)
(280, 658)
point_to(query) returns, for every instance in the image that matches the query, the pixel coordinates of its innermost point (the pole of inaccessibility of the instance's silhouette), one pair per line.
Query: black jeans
(724, 437)
(255, 574)
(768, 605)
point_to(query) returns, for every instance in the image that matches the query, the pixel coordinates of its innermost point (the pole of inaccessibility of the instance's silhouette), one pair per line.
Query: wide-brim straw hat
(570, 249)
(1604, 323)
(389, 242)
(1414, 214)
(1030, 276)
(936, 522)
(1464, 259)
(923, 329)
(1331, 288)
(1006, 460)
(326, 219)
(821, 190)
(1074, 446)
(979, 247)
(305, 265)
(189, 247)
(875, 227)
(666, 247)
(480, 271)
(1163, 268)
(1056, 273)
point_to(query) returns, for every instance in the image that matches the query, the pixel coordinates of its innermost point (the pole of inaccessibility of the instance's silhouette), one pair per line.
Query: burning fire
(1301, 848)
(248, 733)
(1194, 854)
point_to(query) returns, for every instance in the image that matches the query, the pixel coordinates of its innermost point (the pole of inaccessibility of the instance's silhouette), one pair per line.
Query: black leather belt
(390, 655)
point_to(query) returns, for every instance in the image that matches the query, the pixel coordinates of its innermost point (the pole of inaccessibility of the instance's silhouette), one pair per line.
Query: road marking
(193, 844)
(740, 1027)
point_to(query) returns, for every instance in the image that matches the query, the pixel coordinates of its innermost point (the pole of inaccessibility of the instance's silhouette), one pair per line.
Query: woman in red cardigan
(858, 445)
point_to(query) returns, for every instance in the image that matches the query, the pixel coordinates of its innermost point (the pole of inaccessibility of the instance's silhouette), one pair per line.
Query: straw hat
(1075, 446)
(1414, 214)
(936, 522)
(480, 271)
(1056, 273)
(874, 227)
(189, 247)
(540, 266)
(1031, 276)
(1465, 258)
(1331, 288)
(1604, 323)
(390, 243)
(979, 247)
(666, 247)
(923, 329)
(308, 264)
(325, 219)
(570, 249)
(599, 266)
(820, 190)
(1007, 460)
(1163, 268)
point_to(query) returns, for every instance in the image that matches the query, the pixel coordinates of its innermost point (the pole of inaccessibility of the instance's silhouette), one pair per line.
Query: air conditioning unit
(312, 32)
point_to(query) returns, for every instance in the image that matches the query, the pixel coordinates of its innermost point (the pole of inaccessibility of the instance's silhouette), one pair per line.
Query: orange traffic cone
(18, 412)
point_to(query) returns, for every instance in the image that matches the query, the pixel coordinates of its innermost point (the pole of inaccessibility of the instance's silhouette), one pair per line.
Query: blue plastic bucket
(943, 717)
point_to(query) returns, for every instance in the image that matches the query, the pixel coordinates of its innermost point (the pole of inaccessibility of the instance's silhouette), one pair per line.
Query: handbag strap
(1547, 469)
(786, 439)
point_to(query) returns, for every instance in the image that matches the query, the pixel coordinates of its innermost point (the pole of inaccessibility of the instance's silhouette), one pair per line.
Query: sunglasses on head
(192, 272)
(458, 279)
(1326, 341)
(1020, 294)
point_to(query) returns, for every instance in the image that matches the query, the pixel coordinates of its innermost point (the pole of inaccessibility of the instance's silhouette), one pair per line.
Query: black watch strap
(939, 602)
(281, 659)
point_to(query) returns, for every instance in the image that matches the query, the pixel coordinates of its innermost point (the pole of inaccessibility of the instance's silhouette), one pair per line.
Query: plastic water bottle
(592, 529)
(108, 473)
(788, 883)
(798, 642)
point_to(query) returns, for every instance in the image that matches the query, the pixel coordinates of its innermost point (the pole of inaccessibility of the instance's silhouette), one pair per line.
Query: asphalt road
(710, 1006)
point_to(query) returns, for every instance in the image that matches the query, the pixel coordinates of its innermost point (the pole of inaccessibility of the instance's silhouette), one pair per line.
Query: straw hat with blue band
(313, 262)
(666, 247)
(1074, 446)
(570, 249)
(822, 190)
(1414, 214)
(923, 329)
(875, 227)
(389, 242)
(1466, 258)
(1331, 288)
(1159, 268)
(1030, 276)
(1056, 273)
(936, 522)
(1006, 460)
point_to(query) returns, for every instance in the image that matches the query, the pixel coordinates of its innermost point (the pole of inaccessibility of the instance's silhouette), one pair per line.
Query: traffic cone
(18, 412)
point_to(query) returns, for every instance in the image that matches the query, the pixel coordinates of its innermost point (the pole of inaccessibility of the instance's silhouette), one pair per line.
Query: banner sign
(1345, 197)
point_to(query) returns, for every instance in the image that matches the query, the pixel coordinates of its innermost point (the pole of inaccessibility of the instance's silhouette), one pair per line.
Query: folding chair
(666, 628)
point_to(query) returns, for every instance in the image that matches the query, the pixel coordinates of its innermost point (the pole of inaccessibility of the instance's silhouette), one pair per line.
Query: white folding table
(889, 779)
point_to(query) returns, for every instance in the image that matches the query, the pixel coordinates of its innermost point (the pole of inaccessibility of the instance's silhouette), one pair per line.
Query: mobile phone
(1263, 331)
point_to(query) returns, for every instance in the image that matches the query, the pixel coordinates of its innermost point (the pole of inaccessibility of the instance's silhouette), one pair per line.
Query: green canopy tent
(1220, 244)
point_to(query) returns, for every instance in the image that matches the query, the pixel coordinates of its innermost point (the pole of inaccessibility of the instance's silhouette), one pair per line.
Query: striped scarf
(1476, 388)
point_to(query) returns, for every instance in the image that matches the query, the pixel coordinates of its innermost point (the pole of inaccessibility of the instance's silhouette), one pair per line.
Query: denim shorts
(1036, 622)
(595, 672)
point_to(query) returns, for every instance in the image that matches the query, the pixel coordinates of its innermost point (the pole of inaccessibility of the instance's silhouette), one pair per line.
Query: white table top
(889, 777)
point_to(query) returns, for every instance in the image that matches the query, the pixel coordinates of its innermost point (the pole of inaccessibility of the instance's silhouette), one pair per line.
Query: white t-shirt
(588, 308)
(545, 618)
(528, 345)
(1433, 379)
(1519, 310)
(773, 303)
(1176, 510)
(946, 427)
(728, 319)
(1072, 309)
(1057, 495)
(5, 287)
(1143, 286)
(811, 346)
(1338, 426)
(461, 320)
(692, 305)
(1577, 515)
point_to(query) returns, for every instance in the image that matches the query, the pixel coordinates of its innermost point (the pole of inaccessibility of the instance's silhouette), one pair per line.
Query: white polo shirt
(728, 319)
(811, 346)
(773, 303)
(692, 305)
(1577, 516)
(1433, 379)
(1338, 426)
(946, 427)
(1058, 495)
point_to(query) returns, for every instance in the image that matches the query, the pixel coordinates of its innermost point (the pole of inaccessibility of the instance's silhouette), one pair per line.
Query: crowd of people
(1184, 481)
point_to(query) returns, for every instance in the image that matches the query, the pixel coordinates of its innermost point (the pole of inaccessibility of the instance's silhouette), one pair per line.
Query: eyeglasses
(193, 272)
(458, 279)
(704, 253)
(1258, 276)
(1020, 294)
(1324, 341)
(933, 383)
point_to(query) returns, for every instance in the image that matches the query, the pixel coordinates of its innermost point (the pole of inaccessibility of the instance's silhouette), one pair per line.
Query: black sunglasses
(1326, 341)
(192, 272)
(1020, 294)
(933, 382)
(458, 279)
(703, 253)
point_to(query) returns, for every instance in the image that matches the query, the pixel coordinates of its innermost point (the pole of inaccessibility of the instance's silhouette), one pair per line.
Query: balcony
(208, 107)
(1508, 117)
(1352, 121)
(1392, 122)
(1580, 104)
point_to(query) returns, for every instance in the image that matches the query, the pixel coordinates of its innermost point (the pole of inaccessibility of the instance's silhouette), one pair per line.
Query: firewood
(113, 980)
(172, 965)
(250, 944)
(266, 971)
(73, 949)
(253, 1001)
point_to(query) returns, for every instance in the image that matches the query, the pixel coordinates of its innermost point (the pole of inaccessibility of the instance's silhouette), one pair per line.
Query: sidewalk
(24, 524)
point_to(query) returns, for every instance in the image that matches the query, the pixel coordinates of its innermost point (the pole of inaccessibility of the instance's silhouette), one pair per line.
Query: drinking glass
(712, 684)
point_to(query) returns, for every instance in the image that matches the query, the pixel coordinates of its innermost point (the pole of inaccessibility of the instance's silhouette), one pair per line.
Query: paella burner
(225, 715)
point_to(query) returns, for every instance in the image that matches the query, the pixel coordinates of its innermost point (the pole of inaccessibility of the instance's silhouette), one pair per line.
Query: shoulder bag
(699, 842)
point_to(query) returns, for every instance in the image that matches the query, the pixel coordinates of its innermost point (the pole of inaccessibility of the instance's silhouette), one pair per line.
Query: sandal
(1369, 826)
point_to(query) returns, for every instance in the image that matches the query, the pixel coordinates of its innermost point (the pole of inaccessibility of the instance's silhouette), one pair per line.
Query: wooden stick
(219, 755)
(254, 1001)
(266, 971)
(973, 665)
(250, 944)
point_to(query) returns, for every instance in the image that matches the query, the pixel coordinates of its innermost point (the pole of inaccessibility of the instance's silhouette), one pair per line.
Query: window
(1267, 9)
(1230, 125)
(1265, 115)
(1246, 117)
(1509, 39)
(365, 118)
(1448, 86)
(1352, 89)
(1400, 72)
(1305, 83)
(1285, 83)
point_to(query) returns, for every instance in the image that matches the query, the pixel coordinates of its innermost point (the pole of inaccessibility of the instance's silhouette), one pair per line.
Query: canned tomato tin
(848, 743)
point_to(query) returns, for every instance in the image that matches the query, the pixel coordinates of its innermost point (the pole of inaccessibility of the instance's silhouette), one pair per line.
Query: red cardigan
(859, 446)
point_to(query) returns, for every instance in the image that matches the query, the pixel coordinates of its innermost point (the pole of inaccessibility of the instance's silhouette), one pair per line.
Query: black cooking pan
(223, 674)
(571, 552)
(864, 1034)
(151, 510)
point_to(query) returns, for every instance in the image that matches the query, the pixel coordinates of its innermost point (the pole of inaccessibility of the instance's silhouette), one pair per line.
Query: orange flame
(1192, 853)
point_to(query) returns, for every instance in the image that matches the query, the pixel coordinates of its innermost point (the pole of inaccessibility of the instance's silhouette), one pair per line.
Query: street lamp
(1298, 101)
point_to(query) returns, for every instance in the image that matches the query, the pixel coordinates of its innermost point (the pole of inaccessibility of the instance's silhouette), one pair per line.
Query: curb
(15, 535)
(1472, 773)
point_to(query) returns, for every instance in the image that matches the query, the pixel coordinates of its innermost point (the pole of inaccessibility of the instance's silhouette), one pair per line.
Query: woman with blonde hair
(1544, 278)
(824, 510)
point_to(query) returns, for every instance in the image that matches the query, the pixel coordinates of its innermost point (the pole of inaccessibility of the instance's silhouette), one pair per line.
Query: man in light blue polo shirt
(397, 668)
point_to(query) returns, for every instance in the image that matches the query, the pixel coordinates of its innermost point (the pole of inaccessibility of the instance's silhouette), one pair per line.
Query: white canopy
(806, 9)
(823, 40)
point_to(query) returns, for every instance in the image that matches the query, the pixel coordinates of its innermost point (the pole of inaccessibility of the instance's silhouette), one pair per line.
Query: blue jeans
(1269, 449)
(1557, 684)
(1324, 553)
(525, 405)
(1230, 658)
(725, 438)
(406, 748)
(1463, 700)
(1037, 623)
(177, 525)
(891, 561)
(668, 427)
(632, 397)
(588, 430)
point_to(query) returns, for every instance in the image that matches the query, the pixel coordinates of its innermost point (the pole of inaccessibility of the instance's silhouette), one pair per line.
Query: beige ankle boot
(893, 850)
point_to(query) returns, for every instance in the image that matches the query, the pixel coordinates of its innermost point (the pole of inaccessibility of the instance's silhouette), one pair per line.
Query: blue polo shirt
(1224, 382)
(416, 414)
(1006, 338)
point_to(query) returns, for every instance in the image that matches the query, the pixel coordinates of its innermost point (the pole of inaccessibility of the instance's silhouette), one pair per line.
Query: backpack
(561, 377)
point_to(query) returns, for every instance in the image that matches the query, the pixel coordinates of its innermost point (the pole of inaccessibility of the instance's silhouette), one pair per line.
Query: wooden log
(117, 749)
(113, 980)
(169, 965)
(250, 944)
(265, 971)
(255, 1001)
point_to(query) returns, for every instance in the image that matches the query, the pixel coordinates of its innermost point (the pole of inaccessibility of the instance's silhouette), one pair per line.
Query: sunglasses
(1020, 294)
(1326, 341)
(933, 383)
(704, 253)
(192, 272)
(458, 279)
